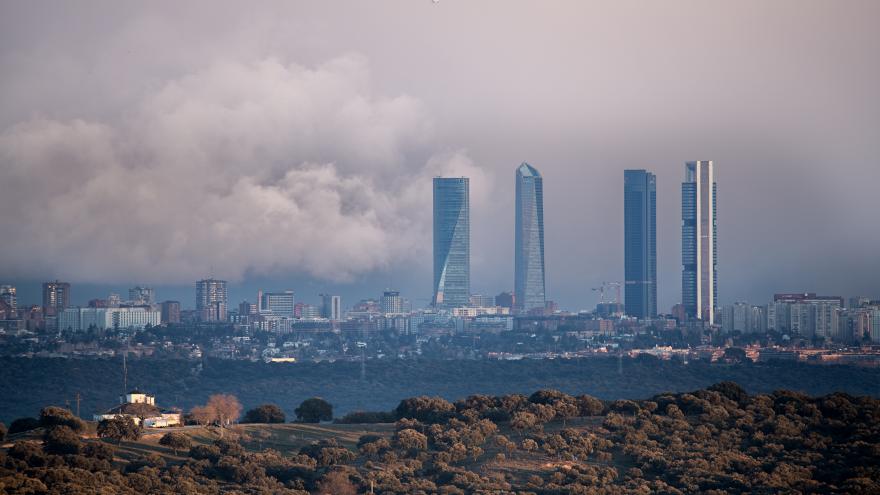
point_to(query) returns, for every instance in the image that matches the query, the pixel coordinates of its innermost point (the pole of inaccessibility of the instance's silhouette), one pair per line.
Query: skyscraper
(528, 277)
(211, 300)
(699, 242)
(56, 297)
(640, 243)
(331, 307)
(452, 242)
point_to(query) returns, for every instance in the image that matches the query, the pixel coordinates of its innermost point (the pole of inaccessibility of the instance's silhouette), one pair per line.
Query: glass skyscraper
(699, 242)
(640, 243)
(452, 242)
(529, 290)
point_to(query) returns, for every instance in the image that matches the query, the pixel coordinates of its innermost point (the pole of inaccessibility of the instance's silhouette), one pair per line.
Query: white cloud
(234, 169)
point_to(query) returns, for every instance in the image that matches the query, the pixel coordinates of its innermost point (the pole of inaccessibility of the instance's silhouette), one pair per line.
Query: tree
(336, 483)
(3, 431)
(58, 416)
(62, 440)
(410, 440)
(425, 409)
(23, 424)
(266, 413)
(119, 428)
(589, 405)
(731, 390)
(176, 441)
(314, 410)
(226, 408)
(523, 421)
(203, 415)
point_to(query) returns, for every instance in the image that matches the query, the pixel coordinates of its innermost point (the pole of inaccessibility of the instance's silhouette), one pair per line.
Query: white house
(141, 407)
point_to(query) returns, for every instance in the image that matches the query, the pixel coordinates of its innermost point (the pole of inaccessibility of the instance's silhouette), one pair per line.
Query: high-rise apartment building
(211, 301)
(56, 297)
(392, 302)
(170, 312)
(7, 295)
(142, 295)
(699, 242)
(452, 242)
(805, 314)
(529, 239)
(640, 243)
(278, 303)
(331, 307)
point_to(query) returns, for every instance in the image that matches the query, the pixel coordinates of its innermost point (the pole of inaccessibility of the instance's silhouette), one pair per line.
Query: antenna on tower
(124, 374)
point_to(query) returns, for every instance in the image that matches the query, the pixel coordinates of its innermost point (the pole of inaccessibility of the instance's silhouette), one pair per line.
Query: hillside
(185, 383)
(716, 440)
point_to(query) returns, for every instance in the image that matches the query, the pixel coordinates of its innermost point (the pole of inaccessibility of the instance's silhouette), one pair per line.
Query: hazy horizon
(291, 146)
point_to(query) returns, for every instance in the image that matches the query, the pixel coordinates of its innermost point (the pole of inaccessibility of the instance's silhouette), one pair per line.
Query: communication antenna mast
(363, 346)
(124, 374)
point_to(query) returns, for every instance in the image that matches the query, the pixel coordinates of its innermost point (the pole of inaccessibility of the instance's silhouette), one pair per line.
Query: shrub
(176, 441)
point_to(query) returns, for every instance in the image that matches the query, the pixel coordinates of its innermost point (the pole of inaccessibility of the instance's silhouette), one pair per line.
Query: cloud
(238, 168)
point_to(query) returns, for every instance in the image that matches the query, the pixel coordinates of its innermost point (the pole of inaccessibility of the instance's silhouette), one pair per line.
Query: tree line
(716, 440)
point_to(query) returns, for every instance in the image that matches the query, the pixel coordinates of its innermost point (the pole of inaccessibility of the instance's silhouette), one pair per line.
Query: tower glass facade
(640, 243)
(452, 242)
(529, 288)
(699, 242)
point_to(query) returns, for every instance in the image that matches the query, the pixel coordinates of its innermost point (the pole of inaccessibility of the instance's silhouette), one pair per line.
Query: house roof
(136, 409)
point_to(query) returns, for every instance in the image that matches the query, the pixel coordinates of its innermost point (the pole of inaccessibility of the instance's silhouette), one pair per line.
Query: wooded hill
(715, 440)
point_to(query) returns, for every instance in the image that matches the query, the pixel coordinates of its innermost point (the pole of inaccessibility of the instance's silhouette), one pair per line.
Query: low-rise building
(141, 407)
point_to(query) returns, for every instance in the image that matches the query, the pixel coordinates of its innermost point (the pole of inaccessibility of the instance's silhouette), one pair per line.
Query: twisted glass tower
(640, 243)
(452, 242)
(699, 242)
(529, 290)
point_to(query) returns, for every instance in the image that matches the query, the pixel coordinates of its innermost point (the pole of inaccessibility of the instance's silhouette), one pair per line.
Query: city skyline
(334, 196)
(452, 248)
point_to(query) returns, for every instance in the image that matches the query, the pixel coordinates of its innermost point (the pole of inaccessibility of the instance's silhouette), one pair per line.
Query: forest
(27, 385)
(716, 440)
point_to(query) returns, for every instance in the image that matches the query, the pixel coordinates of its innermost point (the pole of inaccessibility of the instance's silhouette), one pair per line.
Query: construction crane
(604, 287)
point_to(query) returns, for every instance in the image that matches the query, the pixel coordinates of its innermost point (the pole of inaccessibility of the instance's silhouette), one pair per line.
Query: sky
(291, 144)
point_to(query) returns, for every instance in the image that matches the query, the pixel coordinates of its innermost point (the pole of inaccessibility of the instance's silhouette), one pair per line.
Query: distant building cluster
(809, 316)
(455, 308)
